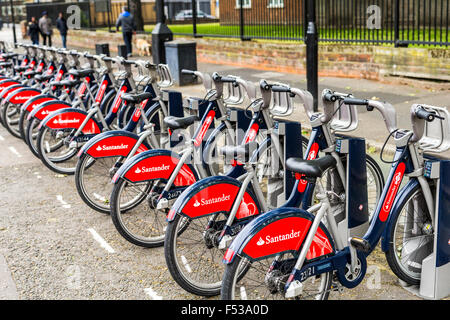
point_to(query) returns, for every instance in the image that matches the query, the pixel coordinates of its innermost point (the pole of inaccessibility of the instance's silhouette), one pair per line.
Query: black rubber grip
(354, 101)
(129, 62)
(265, 85)
(330, 97)
(276, 88)
(421, 113)
(107, 59)
(227, 79)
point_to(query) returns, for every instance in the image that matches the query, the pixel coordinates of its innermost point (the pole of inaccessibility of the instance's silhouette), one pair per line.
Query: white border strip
(152, 294)
(100, 240)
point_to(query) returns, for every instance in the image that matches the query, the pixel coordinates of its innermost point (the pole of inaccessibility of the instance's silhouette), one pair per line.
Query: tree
(136, 11)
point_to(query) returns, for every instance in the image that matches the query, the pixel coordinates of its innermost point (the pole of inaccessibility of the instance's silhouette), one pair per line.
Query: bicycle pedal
(337, 287)
(360, 244)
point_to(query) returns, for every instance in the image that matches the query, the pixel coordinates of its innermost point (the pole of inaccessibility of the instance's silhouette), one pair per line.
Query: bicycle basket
(282, 105)
(345, 117)
(233, 94)
(436, 134)
(165, 77)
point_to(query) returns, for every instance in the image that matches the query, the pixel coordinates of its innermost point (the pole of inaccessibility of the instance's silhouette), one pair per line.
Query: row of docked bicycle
(244, 204)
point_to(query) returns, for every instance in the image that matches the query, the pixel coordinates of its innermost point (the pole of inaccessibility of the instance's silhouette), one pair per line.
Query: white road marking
(99, 197)
(64, 204)
(8, 290)
(152, 294)
(13, 150)
(2, 139)
(186, 264)
(243, 293)
(100, 240)
(37, 175)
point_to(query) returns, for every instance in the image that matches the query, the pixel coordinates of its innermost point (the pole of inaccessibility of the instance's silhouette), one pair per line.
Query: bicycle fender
(33, 102)
(156, 164)
(279, 231)
(112, 143)
(22, 95)
(213, 195)
(7, 90)
(44, 109)
(71, 118)
(8, 83)
(402, 194)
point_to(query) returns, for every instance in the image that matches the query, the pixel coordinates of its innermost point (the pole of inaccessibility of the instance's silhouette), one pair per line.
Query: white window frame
(275, 4)
(246, 4)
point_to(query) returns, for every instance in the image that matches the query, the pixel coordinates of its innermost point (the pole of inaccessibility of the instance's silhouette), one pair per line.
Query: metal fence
(397, 22)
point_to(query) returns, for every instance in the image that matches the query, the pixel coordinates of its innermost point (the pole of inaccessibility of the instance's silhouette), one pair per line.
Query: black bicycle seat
(30, 73)
(242, 151)
(43, 77)
(21, 68)
(310, 168)
(7, 56)
(6, 64)
(180, 122)
(81, 73)
(136, 97)
(65, 83)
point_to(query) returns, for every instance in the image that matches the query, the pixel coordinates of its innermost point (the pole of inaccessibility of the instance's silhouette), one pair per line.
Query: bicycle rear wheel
(263, 282)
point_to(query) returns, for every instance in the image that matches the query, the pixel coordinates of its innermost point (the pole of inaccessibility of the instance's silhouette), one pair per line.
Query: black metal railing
(397, 22)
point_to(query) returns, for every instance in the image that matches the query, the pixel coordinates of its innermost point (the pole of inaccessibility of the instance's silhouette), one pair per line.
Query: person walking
(61, 25)
(45, 25)
(33, 30)
(126, 21)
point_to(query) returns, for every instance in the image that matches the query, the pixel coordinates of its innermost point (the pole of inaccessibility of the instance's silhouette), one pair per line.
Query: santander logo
(65, 121)
(392, 192)
(204, 128)
(106, 148)
(395, 183)
(151, 169)
(205, 202)
(279, 238)
(23, 97)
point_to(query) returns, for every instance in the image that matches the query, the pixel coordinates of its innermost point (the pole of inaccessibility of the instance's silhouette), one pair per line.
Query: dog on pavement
(143, 47)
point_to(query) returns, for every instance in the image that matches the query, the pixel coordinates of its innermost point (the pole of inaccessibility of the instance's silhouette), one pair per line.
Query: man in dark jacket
(61, 25)
(126, 21)
(33, 30)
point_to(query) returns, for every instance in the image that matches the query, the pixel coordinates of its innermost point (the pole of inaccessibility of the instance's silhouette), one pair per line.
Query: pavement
(52, 246)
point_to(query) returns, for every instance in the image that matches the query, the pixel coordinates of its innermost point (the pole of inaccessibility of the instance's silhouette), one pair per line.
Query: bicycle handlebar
(429, 116)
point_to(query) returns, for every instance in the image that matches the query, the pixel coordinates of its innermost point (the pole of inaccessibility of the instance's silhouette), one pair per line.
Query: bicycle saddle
(21, 68)
(242, 151)
(310, 168)
(65, 83)
(180, 122)
(81, 73)
(30, 73)
(136, 97)
(7, 56)
(43, 77)
(6, 64)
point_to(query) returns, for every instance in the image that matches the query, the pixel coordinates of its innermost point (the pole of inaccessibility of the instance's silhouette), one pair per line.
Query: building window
(246, 4)
(276, 4)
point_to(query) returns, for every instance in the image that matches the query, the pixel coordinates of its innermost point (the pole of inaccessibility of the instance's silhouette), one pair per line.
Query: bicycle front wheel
(261, 281)
(412, 237)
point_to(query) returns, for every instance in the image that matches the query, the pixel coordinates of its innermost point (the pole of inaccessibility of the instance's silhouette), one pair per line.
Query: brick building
(260, 11)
